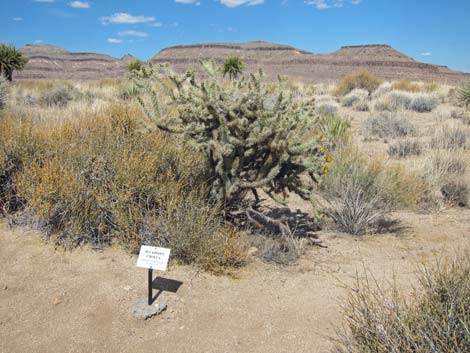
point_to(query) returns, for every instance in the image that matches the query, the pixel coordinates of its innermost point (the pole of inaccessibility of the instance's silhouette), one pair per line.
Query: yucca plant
(10, 60)
(233, 66)
(463, 94)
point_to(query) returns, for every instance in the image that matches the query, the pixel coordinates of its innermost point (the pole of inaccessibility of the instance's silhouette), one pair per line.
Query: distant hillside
(51, 62)
(301, 65)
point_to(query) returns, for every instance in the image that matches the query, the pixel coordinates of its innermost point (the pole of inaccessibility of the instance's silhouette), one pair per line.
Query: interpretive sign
(153, 258)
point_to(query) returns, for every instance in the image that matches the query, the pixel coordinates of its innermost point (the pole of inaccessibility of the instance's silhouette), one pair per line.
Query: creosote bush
(59, 96)
(363, 80)
(380, 319)
(109, 179)
(387, 125)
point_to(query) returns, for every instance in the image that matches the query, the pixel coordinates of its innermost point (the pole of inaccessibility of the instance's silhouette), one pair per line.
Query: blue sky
(433, 31)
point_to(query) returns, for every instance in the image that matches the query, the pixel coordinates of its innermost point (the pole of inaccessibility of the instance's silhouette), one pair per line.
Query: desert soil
(81, 301)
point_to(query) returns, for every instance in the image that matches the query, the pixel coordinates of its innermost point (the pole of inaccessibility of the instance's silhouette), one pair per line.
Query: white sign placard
(153, 258)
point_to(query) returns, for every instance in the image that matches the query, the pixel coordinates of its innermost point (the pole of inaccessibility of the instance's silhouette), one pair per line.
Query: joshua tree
(253, 138)
(233, 66)
(10, 60)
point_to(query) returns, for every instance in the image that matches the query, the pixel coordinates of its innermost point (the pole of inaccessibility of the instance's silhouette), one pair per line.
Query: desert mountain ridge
(51, 62)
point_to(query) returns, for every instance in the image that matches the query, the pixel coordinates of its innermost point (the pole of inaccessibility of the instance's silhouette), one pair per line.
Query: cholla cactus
(253, 136)
(3, 91)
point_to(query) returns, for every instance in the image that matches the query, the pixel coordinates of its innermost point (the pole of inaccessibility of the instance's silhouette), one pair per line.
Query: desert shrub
(59, 96)
(404, 148)
(423, 103)
(463, 94)
(406, 86)
(449, 137)
(457, 192)
(362, 79)
(107, 179)
(387, 124)
(247, 143)
(380, 319)
(361, 190)
(361, 106)
(326, 105)
(356, 95)
(462, 115)
(382, 90)
(393, 101)
(3, 91)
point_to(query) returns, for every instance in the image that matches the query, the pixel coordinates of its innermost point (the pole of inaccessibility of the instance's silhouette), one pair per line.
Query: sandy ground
(80, 301)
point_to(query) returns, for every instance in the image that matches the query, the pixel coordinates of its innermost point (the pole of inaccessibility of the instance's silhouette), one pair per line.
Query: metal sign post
(150, 299)
(153, 258)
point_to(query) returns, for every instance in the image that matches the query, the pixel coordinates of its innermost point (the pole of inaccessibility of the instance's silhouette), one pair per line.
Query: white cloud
(235, 3)
(195, 2)
(79, 4)
(114, 40)
(157, 24)
(122, 17)
(44, 1)
(426, 54)
(17, 19)
(38, 41)
(326, 4)
(133, 33)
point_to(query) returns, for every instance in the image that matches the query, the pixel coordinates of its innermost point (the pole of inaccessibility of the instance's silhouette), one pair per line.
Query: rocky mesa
(50, 62)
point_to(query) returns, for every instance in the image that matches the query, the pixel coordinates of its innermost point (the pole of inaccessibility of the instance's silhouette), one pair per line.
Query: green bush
(463, 94)
(382, 320)
(362, 79)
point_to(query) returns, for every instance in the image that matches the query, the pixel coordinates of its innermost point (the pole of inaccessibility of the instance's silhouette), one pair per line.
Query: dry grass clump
(59, 96)
(361, 79)
(408, 86)
(456, 192)
(360, 190)
(450, 137)
(404, 148)
(383, 320)
(387, 125)
(3, 91)
(107, 178)
(383, 89)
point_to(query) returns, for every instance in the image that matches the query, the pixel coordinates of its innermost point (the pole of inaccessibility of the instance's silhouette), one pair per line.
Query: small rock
(5, 288)
(143, 311)
(253, 251)
(127, 288)
(56, 301)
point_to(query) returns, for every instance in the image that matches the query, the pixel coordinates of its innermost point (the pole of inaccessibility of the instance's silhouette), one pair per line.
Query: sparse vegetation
(3, 91)
(423, 103)
(404, 148)
(406, 86)
(355, 96)
(387, 125)
(363, 80)
(382, 319)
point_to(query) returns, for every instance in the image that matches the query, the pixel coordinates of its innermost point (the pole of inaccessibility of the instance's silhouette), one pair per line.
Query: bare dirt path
(80, 301)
